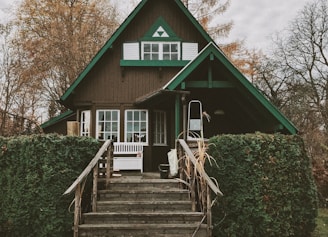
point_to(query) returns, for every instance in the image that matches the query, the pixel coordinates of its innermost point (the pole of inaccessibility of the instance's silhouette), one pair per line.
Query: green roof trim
(118, 32)
(212, 49)
(160, 31)
(57, 119)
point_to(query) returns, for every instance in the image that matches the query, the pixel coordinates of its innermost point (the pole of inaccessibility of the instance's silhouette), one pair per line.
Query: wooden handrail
(78, 184)
(194, 174)
(88, 169)
(200, 170)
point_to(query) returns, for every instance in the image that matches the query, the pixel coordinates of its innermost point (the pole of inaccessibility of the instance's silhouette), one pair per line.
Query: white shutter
(131, 51)
(189, 51)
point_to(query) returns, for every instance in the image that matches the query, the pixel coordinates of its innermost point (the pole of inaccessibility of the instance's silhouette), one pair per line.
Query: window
(160, 50)
(85, 123)
(136, 126)
(160, 135)
(108, 125)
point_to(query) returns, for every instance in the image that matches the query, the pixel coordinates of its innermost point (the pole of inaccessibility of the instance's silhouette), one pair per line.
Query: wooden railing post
(182, 164)
(95, 188)
(77, 210)
(192, 185)
(110, 151)
(209, 212)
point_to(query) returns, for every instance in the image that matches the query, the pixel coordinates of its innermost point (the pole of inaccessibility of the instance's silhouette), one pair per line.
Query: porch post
(177, 115)
(184, 116)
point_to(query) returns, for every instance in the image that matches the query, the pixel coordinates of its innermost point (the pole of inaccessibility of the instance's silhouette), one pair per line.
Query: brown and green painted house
(137, 88)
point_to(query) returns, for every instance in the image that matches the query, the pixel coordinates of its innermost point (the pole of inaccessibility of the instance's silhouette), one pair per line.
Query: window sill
(158, 144)
(154, 63)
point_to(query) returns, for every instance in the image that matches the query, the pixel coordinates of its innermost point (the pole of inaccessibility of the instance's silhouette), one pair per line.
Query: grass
(322, 224)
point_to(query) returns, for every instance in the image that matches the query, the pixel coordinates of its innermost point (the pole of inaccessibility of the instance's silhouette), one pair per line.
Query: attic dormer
(160, 46)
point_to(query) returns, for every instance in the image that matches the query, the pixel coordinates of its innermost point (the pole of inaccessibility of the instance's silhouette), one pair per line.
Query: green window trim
(153, 63)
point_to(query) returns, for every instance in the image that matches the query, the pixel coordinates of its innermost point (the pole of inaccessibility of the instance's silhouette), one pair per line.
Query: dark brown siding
(110, 83)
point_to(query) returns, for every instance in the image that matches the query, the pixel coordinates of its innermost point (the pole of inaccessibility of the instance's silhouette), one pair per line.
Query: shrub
(34, 173)
(267, 184)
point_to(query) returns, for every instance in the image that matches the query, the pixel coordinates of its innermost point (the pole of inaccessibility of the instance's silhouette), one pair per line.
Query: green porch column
(177, 115)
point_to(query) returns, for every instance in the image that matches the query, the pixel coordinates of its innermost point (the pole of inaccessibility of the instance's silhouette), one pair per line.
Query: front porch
(142, 204)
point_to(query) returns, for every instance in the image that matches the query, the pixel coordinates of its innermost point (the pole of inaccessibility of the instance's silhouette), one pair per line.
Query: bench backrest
(128, 148)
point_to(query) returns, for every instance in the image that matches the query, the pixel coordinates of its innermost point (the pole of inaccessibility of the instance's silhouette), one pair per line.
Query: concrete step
(138, 230)
(143, 206)
(140, 195)
(142, 218)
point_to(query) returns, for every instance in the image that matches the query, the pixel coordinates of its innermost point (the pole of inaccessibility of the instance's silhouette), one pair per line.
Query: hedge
(267, 184)
(34, 173)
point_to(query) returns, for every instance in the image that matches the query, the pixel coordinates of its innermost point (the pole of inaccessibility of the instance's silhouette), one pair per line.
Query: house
(155, 78)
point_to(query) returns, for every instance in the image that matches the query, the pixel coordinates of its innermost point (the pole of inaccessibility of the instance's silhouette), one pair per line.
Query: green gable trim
(57, 119)
(168, 33)
(118, 32)
(153, 63)
(241, 82)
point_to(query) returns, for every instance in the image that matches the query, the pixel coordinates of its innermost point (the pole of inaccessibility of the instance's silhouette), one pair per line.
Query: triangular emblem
(160, 32)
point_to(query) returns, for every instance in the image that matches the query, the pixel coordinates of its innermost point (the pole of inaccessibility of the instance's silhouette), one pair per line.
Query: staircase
(142, 205)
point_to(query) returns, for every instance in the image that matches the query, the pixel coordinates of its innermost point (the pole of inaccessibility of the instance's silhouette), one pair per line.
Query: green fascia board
(160, 22)
(153, 63)
(118, 32)
(212, 49)
(57, 119)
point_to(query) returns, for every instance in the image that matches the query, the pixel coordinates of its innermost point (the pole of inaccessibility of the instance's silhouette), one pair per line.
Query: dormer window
(160, 51)
(159, 47)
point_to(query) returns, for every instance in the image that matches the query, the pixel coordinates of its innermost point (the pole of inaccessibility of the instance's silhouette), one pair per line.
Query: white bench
(128, 156)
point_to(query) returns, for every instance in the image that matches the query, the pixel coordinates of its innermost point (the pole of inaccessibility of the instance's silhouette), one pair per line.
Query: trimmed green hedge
(34, 173)
(267, 184)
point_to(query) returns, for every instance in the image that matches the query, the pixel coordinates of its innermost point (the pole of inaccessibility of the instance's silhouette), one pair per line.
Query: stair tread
(129, 202)
(138, 226)
(138, 181)
(144, 213)
(149, 191)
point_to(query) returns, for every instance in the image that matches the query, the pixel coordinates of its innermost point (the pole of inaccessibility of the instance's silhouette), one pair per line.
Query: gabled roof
(118, 32)
(211, 50)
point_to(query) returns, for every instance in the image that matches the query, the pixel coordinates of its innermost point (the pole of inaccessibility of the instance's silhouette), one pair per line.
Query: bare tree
(18, 100)
(304, 55)
(58, 38)
(205, 12)
(9, 84)
(295, 78)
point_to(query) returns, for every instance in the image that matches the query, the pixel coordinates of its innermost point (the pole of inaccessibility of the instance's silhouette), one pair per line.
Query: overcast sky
(255, 21)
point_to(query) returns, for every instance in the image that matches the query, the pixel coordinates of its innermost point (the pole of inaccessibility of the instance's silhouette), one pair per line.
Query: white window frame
(102, 133)
(160, 128)
(160, 49)
(85, 123)
(133, 129)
